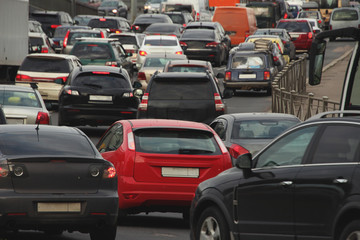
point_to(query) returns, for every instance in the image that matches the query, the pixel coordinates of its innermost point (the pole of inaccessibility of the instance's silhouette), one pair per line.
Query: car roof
(32, 128)
(37, 34)
(189, 62)
(210, 24)
(16, 87)
(149, 123)
(160, 37)
(98, 68)
(182, 75)
(109, 17)
(263, 36)
(259, 115)
(152, 15)
(51, 55)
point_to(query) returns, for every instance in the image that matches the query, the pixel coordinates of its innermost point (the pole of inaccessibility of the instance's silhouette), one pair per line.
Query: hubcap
(354, 236)
(210, 229)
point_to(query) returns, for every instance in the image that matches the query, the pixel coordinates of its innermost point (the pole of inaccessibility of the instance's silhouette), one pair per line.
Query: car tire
(212, 225)
(104, 233)
(351, 231)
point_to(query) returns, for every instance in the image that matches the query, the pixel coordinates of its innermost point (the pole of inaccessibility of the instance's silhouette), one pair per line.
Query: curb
(335, 61)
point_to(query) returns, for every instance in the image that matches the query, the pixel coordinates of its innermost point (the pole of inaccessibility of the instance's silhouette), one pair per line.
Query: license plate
(180, 172)
(294, 35)
(59, 207)
(16, 120)
(243, 76)
(100, 98)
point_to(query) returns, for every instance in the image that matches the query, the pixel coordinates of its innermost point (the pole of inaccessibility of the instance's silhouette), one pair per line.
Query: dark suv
(304, 185)
(183, 96)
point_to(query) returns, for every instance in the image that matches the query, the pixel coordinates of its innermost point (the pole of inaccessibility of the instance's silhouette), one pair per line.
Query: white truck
(14, 30)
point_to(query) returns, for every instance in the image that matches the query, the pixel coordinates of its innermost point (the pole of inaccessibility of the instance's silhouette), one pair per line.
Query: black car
(112, 24)
(170, 29)
(304, 185)
(144, 20)
(204, 44)
(183, 96)
(50, 20)
(113, 8)
(285, 37)
(182, 18)
(97, 95)
(53, 179)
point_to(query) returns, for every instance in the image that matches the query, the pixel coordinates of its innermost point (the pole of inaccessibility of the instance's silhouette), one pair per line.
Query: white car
(158, 44)
(314, 24)
(344, 17)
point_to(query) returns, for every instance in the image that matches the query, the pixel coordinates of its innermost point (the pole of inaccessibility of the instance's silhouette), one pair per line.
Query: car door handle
(286, 183)
(340, 180)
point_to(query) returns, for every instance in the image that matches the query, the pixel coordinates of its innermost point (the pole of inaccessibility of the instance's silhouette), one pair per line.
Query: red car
(160, 162)
(300, 31)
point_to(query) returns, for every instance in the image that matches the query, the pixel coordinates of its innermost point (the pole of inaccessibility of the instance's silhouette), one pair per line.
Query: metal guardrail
(289, 93)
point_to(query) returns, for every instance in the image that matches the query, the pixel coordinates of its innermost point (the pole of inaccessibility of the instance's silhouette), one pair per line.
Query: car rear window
(187, 68)
(103, 23)
(308, 15)
(208, 34)
(35, 41)
(45, 65)
(345, 15)
(177, 18)
(160, 42)
(60, 32)
(156, 62)
(73, 36)
(19, 98)
(125, 39)
(101, 80)
(92, 51)
(294, 26)
(182, 89)
(175, 141)
(161, 28)
(150, 19)
(250, 61)
(46, 18)
(43, 143)
(178, 8)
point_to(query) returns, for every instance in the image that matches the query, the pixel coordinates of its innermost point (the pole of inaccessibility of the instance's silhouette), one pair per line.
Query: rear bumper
(248, 85)
(199, 54)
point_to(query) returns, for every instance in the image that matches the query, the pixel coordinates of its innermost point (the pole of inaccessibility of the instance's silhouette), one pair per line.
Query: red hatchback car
(300, 31)
(160, 162)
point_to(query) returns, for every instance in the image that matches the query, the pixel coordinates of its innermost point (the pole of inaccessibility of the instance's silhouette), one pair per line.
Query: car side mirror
(244, 161)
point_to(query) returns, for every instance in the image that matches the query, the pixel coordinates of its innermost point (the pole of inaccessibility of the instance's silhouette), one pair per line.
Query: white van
(200, 8)
(344, 17)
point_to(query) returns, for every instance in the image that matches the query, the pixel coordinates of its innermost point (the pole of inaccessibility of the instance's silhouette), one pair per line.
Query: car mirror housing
(244, 161)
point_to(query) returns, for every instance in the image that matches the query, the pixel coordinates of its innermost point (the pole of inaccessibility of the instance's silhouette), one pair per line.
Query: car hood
(253, 145)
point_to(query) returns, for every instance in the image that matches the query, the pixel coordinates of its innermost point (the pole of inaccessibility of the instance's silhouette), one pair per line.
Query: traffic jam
(159, 87)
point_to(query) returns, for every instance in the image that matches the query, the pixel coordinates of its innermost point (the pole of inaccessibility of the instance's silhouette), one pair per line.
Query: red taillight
(135, 27)
(130, 195)
(247, 34)
(197, 16)
(115, 31)
(183, 44)
(184, 25)
(101, 73)
(102, 35)
(110, 172)
(273, 25)
(179, 52)
(55, 26)
(72, 92)
(111, 64)
(44, 50)
(4, 170)
(275, 58)
(227, 76)
(102, 20)
(23, 78)
(310, 35)
(42, 118)
(212, 44)
(237, 150)
(219, 106)
(66, 39)
(319, 21)
(63, 79)
(285, 16)
(141, 76)
(144, 102)
(266, 75)
(142, 53)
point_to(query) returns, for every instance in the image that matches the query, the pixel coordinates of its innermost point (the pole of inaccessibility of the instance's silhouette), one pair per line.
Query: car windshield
(308, 14)
(262, 12)
(92, 51)
(45, 65)
(83, 21)
(74, 35)
(103, 23)
(345, 15)
(101, 80)
(19, 98)
(187, 68)
(43, 143)
(175, 141)
(245, 62)
(156, 62)
(294, 26)
(160, 42)
(260, 129)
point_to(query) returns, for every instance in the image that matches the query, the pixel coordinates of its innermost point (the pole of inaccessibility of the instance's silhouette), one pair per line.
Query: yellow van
(238, 22)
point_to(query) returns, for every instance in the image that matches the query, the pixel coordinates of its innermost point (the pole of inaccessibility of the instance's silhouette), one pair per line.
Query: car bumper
(200, 54)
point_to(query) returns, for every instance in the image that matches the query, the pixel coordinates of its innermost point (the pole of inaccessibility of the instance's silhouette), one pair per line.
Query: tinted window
(34, 41)
(184, 89)
(150, 19)
(251, 61)
(45, 143)
(345, 15)
(125, 39)
(45, 65)
(112, 140)
(160, 42)
(100, 81)
(92, 51)
(187, 68)
(74, 35)
(19, 98)
(60, 32)
(46, 18)
(156, 62)
(103, 23)
(294, 26)
(161, 28)
(199, 34)
(178, 8)
(175, 141)
(177, 18)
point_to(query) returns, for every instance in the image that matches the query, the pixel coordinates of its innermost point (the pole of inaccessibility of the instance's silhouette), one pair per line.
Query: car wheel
(212, 225)
(104, 233)
(351, 231)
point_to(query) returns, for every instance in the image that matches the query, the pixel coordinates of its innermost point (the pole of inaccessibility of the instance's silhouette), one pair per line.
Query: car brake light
(128, 94)
(179, 52)
(72, 92)
(63, 79)
(330, 27)
(55, 26)
(102, 20)
(285, 16)
(115, 31)
(4, 170)
(212, 44)
(183, 44)
(219, 106)
(135, 27)
(104, 73)
(266, 75)
(227, 76)
(141, 76)
(142, 53)
(44, 50)
(42, 118)
(184, 24)
(319, 21)
(66, 39)
(111, 64)
(23, 78)
(275, 58)
(131, 141)
(144, 102)
(310, 35)
(110, 172)
(247, 34)
(197, 16)
(237, 150)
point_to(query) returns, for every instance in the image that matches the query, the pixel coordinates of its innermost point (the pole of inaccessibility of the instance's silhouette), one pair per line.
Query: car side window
(112, 140)
(220, 128)
(289, 150)
(338, 144)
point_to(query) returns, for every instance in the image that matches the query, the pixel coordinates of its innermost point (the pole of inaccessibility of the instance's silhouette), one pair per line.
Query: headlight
(114, 10)
(147, 7)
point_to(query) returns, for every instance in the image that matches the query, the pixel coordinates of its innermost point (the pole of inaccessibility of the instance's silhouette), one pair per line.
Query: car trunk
(196, 44)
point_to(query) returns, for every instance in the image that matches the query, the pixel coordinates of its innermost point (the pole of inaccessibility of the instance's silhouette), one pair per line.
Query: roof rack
(337, 113)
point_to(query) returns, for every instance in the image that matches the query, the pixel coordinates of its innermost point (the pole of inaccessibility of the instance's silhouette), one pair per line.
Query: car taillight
(127, 95)
(131, 141)
(135, 27)
(183, 44)
(197, 16)
(184, 24)
(42, 118)
(310, 35)
(179, 52)
(111, 64)
(237, 150)
(110, 172)
(66, 39)
(142, 53)
(219, 106)
(212, 44)
(102, 19)
(4, 170)
(275, 58)
(266, 75)
(63, 79)
(115, 31)
(247, 34)
(286, 16)
(55, 26)
(144, 102)
(227, 76)
(23, 78)
(141, 76)
(102, 35)
(319, 21)
(44, 50)
(72, 92)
